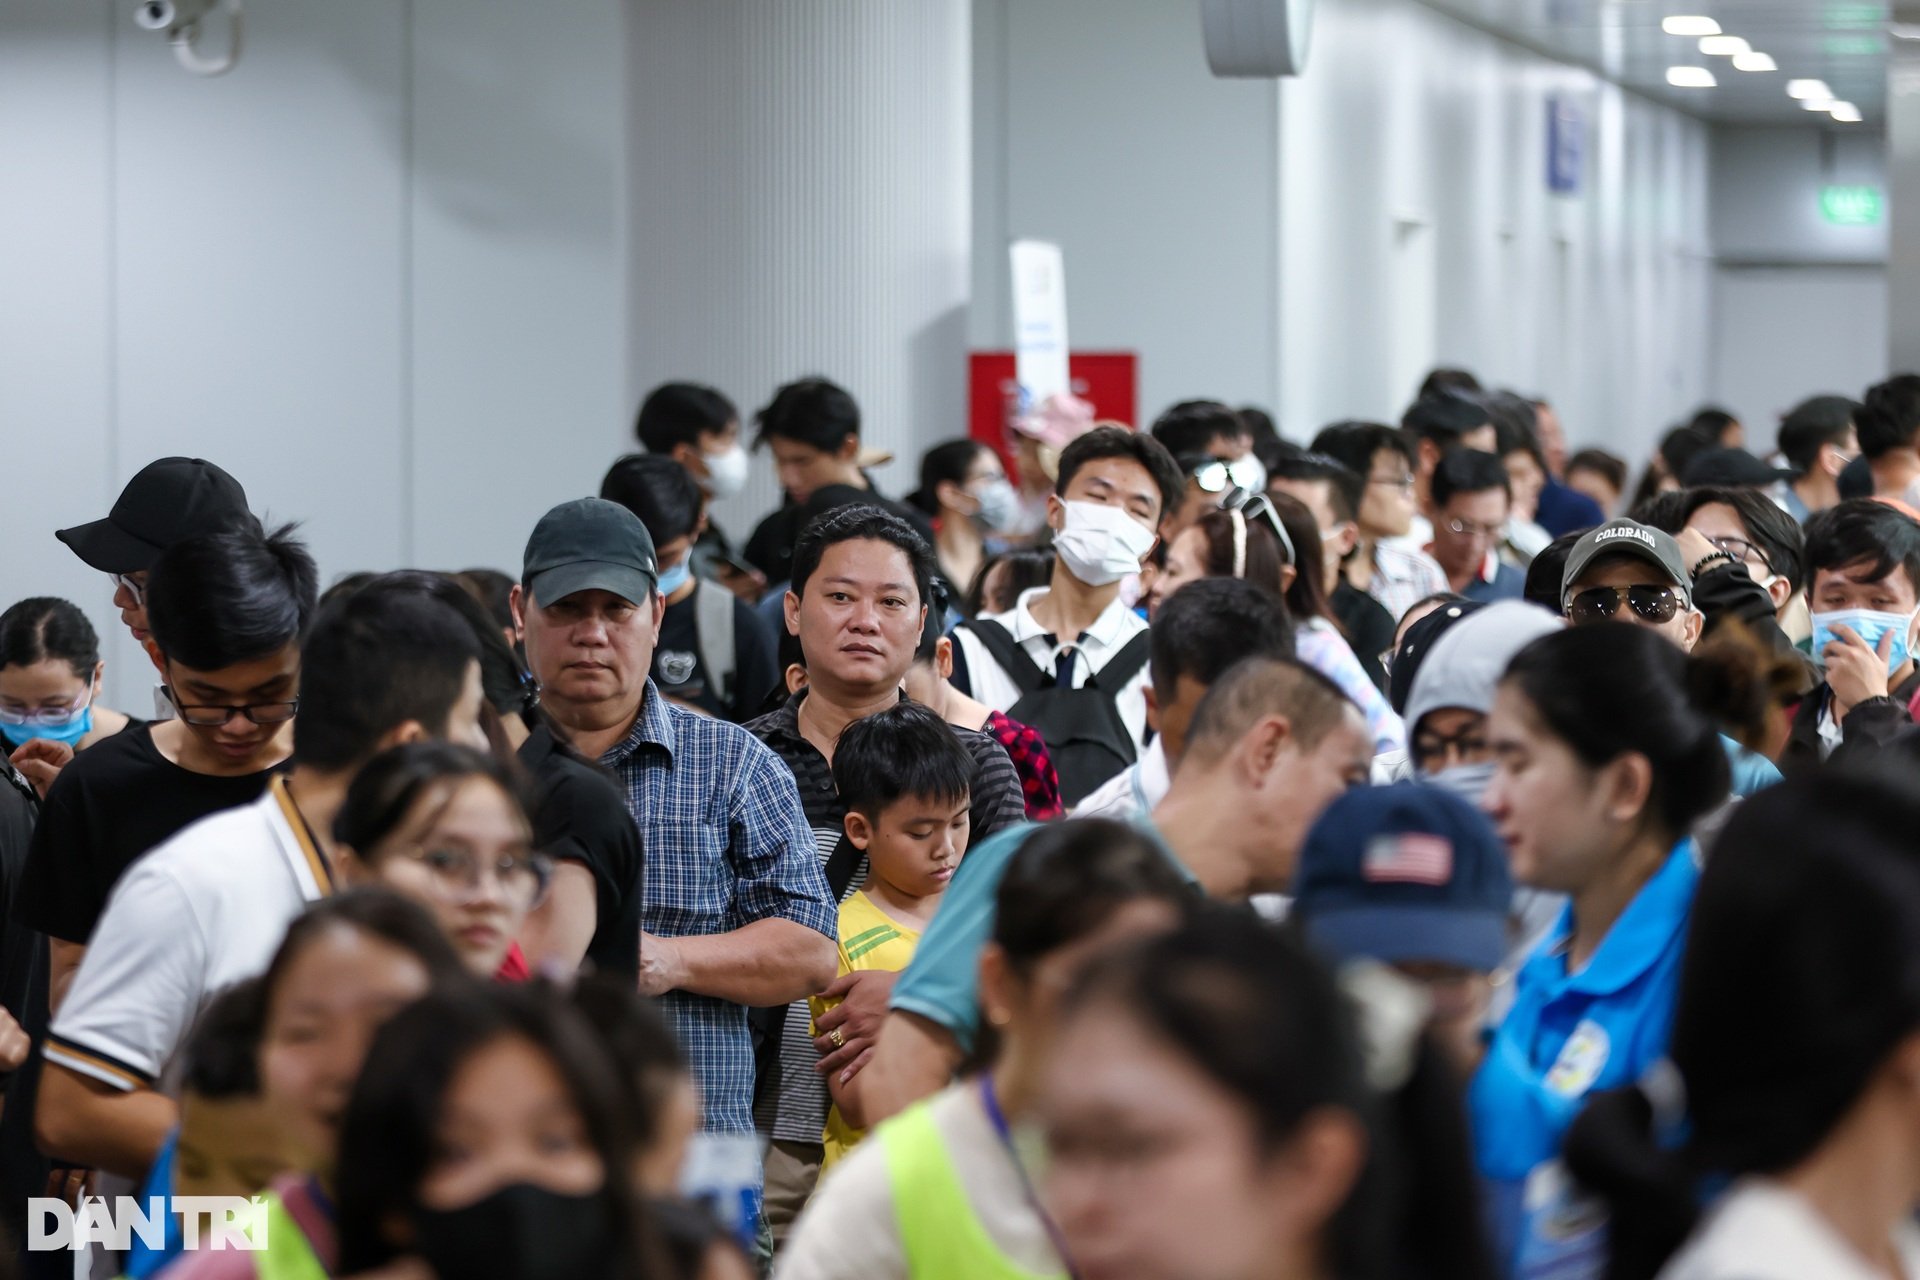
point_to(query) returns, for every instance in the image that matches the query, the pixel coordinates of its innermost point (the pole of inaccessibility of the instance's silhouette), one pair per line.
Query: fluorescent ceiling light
(1690, 25)
(1809, 89)
(1817, 104)
(1754, 62)
(1724, 46)
(1846, 113)
(1690, 77)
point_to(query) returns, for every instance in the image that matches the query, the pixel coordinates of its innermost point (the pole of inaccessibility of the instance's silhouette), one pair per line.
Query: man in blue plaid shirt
(737, 911)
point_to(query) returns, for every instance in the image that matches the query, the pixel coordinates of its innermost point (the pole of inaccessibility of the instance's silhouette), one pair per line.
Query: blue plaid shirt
(727, 844)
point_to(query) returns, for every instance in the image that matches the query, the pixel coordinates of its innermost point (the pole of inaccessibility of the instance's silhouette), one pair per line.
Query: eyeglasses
(1256, 506)
(133, 586)
(1432, 749)
(48, 717)
(1473, 529)
(456, 873)
(209, 715)
(1743, 551)
(1655, 604)
(1402, 482)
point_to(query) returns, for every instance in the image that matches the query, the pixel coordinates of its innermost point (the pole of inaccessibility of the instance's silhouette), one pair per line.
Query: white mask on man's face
(1100, 544)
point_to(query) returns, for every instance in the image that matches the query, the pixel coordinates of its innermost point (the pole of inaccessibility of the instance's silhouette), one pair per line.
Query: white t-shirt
(1763, 1231)
(850, 1232)
(1097, 646)
(195, 915)
(1134, 791)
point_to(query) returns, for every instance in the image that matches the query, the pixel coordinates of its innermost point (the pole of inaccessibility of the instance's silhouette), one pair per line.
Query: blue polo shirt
(942, 982)
(1567, 1035)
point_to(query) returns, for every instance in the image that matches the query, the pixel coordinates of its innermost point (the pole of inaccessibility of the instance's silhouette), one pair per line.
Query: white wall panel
(800, 205)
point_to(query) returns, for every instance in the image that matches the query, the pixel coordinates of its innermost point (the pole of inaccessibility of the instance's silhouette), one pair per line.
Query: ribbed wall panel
(800, 204)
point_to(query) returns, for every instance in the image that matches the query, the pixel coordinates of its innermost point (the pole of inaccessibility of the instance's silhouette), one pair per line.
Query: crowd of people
(1165, 852)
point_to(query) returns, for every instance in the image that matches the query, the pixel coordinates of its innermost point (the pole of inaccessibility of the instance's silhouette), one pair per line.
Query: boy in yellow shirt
(905, 781)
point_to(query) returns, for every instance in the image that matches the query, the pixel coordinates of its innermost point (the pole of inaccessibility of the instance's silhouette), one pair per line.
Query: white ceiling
(1843, 42)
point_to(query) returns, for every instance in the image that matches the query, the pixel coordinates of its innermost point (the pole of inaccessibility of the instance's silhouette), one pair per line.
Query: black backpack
(1082, 727)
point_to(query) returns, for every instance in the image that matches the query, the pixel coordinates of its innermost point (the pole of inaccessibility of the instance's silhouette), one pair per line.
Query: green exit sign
(1851, 206)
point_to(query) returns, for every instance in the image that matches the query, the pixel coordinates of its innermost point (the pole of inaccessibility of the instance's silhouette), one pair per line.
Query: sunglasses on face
(1597, 604)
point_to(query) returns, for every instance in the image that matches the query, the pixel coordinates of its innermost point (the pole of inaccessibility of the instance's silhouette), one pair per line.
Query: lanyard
(998, 1120)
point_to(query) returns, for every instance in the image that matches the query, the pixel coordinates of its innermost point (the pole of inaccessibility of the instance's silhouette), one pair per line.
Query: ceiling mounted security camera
(181, 21)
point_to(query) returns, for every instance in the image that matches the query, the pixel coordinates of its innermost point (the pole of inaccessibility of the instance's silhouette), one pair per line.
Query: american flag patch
(1408, 858)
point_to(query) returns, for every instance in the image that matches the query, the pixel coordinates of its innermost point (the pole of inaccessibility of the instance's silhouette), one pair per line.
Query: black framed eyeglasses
(1744, 551)
(1656, 604)
(523, 877)
(1431, 750)
(209, 715)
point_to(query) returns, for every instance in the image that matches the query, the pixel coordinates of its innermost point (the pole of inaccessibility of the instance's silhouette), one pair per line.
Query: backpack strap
(1125, 665)
(713, 634)
(1025, 673)
(841, 864)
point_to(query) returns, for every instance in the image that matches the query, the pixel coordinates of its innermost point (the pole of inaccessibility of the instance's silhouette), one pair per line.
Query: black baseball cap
(1403, 874)
(169, 501)
(1627, 537)
(586, 545)
(1729, 469)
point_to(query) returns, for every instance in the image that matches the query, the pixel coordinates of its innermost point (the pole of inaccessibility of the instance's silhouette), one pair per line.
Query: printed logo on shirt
(1581, 1060)
(677, 666)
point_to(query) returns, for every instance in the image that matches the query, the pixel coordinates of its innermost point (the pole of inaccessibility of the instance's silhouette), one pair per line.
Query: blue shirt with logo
(1567, 1035)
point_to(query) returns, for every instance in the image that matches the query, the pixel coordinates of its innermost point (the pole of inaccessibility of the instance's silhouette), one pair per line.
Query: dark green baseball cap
(586, 545)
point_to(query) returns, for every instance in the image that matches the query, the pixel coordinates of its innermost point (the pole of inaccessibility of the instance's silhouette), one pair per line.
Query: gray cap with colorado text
(1627, 538)
(590, 544)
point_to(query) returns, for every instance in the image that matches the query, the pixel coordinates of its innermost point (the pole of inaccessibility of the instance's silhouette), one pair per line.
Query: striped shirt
(797, 1109)
(1403, 576)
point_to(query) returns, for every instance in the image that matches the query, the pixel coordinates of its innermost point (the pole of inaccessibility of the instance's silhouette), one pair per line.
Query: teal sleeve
(942, 983)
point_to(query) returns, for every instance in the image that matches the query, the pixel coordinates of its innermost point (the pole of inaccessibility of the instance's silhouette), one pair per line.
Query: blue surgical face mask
(1467, 781)
(671, 580)
(1871, 625)
(74, 725)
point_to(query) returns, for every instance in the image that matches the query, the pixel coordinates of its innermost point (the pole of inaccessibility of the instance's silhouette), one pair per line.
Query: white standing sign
(1039, 322)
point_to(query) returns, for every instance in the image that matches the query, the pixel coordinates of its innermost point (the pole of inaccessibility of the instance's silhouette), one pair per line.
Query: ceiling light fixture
(1690, 77)
(1809, 89)
(1690, 25)
(1817, 104)
(1724, 46)
(1846, 113)
(1754, 62)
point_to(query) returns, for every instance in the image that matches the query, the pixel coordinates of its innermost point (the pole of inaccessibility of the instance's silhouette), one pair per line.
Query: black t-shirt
(118, 799)
(680, 669)
(580, 816)
(1369, 628)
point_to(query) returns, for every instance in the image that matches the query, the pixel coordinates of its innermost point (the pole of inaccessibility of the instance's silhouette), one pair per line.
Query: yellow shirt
(869, 939)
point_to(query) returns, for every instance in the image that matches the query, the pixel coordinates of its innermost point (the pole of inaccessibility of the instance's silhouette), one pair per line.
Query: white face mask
(999, 503)
(1100, 544)
(726, 472)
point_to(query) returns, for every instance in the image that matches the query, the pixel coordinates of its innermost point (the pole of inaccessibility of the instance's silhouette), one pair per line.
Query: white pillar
(1903, 198)
(799, 181)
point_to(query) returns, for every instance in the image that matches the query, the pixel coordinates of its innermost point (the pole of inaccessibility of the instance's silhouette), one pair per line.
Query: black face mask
(520, 1232)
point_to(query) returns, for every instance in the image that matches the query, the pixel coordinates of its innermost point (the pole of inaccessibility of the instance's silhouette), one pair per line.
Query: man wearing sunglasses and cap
(1629, 572)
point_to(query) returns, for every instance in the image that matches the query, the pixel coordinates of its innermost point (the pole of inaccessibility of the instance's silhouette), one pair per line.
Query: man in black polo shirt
(858, 601)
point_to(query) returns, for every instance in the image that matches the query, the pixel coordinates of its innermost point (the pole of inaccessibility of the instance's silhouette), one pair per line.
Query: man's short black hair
(1354, 444)
(1548, 570)
(1443, 380)
(854, 524)
(1118, 442)
(813, 411)
(677, 413)
(230, 597)
(1468, 471)
(1889, 415)
(1679, 447)
(1812, 425)
(1609, 467)
(387, 654)
(1444, 418)
(1207, 626)
(1193, 425)
(1712, 421)
(660, 491)
(1866, 532)
(905, 752)
(223, 1050)
(1345, 486)
(1516, 426)
(1769, 528)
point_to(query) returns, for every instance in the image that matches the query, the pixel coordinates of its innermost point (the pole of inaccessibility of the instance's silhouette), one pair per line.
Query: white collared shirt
(1097, 645)
(1763, 1231)
(203, 910)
